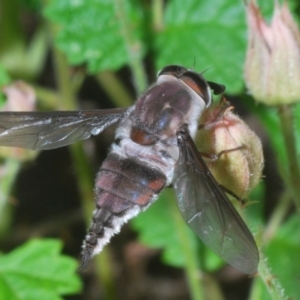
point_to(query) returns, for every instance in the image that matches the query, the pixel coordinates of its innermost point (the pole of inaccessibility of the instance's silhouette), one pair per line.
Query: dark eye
(198, 84)
(174, 70)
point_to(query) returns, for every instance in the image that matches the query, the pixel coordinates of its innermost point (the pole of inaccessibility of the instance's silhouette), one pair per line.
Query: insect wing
(209, 213)
(49, 130)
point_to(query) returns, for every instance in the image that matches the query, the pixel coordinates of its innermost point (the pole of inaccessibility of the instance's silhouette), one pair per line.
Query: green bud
(240, 166)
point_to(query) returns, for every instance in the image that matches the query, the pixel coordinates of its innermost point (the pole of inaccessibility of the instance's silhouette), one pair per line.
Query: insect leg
(217, 156)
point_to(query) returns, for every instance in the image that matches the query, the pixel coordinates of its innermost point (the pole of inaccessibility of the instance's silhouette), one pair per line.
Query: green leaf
(162, 226)
(210, 261)
(36, 270)
(91, 31)
(4, 77)
(4, 80)
(283, 256)
(212, 35)
(158, 227)
(34, 5)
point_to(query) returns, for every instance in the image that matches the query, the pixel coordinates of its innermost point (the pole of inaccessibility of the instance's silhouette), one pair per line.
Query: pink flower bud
(272, 67)
(20, 97)
(238, 170)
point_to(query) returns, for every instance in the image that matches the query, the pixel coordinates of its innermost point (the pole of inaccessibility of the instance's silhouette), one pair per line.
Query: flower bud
(272, 67)
(20, 97)
(239, 167)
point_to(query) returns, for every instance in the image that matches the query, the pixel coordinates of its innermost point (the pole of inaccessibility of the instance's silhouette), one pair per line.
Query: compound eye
(174, 70)
(199, 85)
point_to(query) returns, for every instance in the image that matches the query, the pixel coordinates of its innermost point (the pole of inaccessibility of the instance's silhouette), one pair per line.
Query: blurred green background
(86, 54)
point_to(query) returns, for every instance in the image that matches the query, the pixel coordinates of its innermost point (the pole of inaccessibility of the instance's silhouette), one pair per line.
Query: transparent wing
(209, 213)
(49, 130)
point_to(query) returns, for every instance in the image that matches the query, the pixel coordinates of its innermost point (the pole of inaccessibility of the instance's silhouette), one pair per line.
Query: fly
(155, 149)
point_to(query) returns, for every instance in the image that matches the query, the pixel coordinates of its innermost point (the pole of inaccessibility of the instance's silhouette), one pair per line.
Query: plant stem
(212, 287)
(157, 15)
(277, 217)
(133, 45)
(287, 118)
(67, 98)
(47, 99)
(272, 283)
(191, 260)
(10, 169)
(115, 89)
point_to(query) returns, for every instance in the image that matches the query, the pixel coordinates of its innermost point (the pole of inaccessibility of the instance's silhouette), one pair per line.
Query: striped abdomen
(124, 187)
